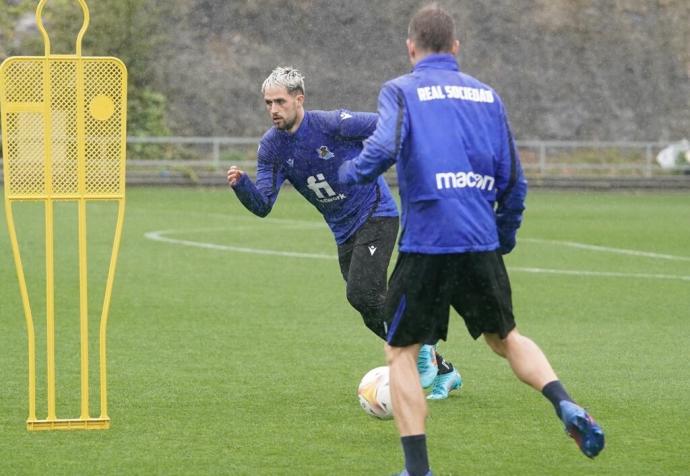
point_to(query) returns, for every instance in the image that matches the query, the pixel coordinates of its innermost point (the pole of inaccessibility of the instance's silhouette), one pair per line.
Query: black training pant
(364, 259)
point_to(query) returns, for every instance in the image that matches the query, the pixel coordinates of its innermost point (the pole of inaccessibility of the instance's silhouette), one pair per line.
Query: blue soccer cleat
(444, 384)
(405, 473)
(427, 365)
(582, 428)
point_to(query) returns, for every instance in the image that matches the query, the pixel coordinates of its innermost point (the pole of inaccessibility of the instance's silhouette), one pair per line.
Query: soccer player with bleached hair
(306, 148)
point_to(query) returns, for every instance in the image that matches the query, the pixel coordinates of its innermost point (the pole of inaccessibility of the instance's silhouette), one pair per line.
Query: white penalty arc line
(159, 236)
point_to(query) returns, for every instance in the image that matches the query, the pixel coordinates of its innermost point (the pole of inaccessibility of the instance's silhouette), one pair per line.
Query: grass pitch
(232, 349)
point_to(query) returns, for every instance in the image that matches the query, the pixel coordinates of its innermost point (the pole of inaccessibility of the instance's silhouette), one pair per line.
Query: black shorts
(423, 287)
(366, 254)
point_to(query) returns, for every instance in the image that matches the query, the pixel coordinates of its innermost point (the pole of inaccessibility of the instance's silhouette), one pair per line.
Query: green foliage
(147, 111)
(224, 362)
(127, 29)
(10, 13)
(146, 117)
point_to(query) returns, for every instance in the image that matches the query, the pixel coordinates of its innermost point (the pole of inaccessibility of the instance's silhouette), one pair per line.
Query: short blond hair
(288, 77)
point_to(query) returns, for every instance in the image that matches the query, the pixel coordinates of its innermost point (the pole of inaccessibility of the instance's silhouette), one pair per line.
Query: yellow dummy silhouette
(64, 139)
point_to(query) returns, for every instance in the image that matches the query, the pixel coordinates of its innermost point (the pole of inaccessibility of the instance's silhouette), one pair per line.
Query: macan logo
(463, 180)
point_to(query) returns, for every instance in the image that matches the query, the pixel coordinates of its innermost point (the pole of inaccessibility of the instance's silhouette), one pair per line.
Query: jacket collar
(437, 61)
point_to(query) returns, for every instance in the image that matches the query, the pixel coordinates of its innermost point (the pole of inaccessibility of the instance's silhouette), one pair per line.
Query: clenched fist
(234, 175)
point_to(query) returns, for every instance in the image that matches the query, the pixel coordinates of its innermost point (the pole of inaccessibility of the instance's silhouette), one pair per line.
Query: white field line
(603, 274)
(160, 237)
(607, 249)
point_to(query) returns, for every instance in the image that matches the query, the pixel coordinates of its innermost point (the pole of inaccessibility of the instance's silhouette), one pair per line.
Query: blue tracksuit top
(309, 160)
(458, 170)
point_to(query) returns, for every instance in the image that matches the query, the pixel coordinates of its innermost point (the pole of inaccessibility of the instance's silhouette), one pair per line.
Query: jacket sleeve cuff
(241, 184)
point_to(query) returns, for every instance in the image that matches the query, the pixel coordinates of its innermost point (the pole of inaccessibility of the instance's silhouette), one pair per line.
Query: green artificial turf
(229, 355)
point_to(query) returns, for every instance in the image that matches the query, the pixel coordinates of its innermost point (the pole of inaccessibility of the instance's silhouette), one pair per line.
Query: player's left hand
(507, 225)
(506, 241)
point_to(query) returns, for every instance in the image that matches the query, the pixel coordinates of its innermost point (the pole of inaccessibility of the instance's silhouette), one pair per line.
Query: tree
(126, 29)
(13, 19)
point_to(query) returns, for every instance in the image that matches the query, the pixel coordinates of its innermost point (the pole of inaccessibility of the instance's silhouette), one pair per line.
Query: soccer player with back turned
(462, 191)
(306, 148)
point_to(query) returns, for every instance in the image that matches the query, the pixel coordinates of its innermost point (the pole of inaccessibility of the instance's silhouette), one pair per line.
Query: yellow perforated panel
(27, 82)
(64, 136)
(24, 154)
(63, 127)
(104, 108)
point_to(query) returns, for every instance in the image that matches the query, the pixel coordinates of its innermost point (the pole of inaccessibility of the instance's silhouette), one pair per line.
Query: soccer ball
(374, 393)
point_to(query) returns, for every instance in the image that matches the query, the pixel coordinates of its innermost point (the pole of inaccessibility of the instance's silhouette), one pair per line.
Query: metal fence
(563, 158)
(203, 160)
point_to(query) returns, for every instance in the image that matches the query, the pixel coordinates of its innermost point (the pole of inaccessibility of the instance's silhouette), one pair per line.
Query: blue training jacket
(309, 159)
(461, 183)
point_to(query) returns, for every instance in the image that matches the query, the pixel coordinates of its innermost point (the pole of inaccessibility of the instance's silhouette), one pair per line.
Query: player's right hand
(234, 175)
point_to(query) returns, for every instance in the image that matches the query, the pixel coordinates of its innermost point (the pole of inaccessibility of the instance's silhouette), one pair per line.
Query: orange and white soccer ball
(374, 393)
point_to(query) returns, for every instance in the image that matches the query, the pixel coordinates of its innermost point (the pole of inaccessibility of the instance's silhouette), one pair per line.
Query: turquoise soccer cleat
(427, 365)
(444, 384)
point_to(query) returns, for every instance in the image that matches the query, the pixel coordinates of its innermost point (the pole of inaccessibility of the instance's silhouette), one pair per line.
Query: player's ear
(456, 47)
(411, 52)
(299, 99)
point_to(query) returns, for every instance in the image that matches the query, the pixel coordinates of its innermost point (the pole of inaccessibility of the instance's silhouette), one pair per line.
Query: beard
(285, 124)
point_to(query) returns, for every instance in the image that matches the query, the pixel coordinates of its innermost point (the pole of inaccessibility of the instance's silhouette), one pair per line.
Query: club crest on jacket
(324, 153)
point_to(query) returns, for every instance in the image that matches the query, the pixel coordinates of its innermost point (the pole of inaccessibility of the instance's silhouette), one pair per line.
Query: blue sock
(556, 393)
(416, 457)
